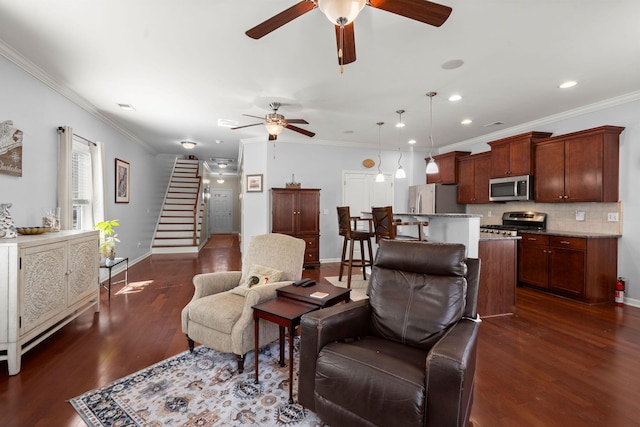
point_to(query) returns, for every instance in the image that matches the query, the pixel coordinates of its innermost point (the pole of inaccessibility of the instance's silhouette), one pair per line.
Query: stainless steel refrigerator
(434, 198)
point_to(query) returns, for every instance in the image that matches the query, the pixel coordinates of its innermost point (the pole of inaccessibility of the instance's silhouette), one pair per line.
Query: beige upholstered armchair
(220, 314)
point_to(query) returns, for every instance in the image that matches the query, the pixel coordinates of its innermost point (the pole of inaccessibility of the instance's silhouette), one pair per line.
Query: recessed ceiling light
(127, 107)
(453, 64)
(466, 122)
(412, 141)
(455, 97)
(227, 123)
(568, 84)
(219, 141)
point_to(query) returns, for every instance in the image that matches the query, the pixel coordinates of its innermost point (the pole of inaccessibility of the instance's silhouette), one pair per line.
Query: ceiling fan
(276, 123)
(342, 13)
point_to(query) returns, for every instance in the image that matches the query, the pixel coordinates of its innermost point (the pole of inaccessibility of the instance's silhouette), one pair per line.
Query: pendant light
(432, 167)
(400, 173)
(380, 176)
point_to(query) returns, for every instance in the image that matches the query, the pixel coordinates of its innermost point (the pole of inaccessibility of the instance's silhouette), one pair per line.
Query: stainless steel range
(515, 222)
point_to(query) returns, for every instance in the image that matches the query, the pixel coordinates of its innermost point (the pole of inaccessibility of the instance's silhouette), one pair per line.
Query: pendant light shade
(380, 176)
(432, 167)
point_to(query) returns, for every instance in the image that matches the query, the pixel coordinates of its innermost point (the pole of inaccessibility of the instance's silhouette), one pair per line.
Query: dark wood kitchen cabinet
(447, 167)
(473, 178)
(296, 212)
(580, 268)
(578, 167)
(513, 156)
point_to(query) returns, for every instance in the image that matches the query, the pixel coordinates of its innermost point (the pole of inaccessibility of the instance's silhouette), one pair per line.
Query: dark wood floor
(554, 363)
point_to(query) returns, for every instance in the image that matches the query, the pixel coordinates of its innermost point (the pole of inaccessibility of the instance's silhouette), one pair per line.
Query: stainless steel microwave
(511, 188)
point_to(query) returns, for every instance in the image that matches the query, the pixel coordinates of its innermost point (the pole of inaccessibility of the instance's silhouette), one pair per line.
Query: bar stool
(352, 235)
(386, 228)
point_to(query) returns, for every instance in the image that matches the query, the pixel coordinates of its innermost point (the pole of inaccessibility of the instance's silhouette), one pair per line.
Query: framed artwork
(123, 181)
(254, 183)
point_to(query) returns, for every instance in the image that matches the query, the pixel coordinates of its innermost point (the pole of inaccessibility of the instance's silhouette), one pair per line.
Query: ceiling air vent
(498, 123)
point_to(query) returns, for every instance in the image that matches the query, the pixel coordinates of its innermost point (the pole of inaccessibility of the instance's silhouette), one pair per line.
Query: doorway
(221, 212)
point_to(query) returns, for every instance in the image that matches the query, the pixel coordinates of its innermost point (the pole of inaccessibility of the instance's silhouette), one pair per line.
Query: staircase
(180, 223)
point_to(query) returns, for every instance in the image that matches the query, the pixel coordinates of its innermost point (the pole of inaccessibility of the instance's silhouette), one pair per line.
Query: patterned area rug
(201, 389)
(358, 286)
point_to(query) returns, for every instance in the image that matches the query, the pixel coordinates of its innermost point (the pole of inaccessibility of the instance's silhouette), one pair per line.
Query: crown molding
(25, 64)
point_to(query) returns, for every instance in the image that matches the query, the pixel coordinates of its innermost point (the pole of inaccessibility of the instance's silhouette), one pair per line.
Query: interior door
(221, 211)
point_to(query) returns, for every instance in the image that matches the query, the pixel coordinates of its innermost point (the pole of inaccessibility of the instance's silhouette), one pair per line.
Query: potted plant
(108, 238)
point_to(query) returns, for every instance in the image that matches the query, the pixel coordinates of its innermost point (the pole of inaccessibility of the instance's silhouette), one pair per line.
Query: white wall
(38, 111)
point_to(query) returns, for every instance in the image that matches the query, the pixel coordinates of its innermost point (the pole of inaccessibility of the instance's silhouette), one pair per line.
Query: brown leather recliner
(407, 355)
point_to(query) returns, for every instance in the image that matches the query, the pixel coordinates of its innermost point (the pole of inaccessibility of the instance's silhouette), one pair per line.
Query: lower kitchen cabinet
(582, 268)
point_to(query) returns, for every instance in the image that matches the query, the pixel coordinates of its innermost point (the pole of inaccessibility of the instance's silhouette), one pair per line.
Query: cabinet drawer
(311, 241)
(568, 242)
(535, 239)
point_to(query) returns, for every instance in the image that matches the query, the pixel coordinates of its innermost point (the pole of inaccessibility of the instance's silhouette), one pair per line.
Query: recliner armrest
(213, 283)
(321, 327)
(450, 373)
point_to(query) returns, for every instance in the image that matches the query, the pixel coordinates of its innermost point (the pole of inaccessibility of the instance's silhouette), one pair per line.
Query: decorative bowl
(32, 230)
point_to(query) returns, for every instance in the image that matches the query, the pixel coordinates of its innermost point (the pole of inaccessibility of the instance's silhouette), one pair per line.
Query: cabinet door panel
(309, 211)
(43, 284)
(583, 169)
(567, 270)
(549, 179)
(532, 265)
(482, 171)
(500, 160)
(283, 219)
(83, 269)
(465, 181)
(520, 157)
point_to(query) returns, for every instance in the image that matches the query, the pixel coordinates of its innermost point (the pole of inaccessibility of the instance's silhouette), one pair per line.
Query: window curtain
(97, 169)
(65, 181)
(65, 138)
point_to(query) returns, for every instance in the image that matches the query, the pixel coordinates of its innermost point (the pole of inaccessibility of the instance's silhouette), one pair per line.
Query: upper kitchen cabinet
(513, 156)
(578, 167)
(447, 167)
(473, 178)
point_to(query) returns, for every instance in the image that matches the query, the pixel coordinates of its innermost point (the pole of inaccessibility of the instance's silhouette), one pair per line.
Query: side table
(284, 312)
(334, 294)
(109, 264)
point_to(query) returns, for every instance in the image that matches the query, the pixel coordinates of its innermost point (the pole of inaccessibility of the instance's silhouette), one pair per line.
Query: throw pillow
(258, 275)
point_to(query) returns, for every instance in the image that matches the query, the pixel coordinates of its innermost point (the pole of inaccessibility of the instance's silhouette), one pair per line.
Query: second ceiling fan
(275, 123)
(342, 14)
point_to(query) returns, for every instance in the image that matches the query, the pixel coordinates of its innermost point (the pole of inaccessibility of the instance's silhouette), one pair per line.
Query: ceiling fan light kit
(189, 145)
(275, 123)
(336, 9)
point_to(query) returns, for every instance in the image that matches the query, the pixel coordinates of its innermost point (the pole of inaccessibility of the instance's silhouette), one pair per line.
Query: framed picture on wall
(123, 181)
(254, 183)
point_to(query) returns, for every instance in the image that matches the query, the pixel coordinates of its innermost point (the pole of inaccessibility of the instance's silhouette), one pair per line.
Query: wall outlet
(489, 212)
(579, 215)
(612, 217)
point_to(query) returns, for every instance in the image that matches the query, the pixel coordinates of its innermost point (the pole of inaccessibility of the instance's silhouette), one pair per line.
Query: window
(81, 186)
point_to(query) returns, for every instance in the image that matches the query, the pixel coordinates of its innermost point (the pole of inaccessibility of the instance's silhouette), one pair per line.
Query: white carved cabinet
(46, 281)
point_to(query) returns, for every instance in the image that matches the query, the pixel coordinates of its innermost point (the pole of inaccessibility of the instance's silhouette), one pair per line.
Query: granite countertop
(442, 215)
(584, 234)
(484, 237)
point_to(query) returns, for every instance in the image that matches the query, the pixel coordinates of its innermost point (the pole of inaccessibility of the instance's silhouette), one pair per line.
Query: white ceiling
(184, 64)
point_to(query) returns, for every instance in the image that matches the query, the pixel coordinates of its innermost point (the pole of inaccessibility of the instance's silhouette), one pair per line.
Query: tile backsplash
(560, 216)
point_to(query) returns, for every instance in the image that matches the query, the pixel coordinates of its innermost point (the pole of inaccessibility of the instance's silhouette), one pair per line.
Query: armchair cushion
(258, 275)
(229, 308)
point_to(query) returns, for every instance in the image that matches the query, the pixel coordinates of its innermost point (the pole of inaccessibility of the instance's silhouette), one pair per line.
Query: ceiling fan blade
(255, 117)
(348, 44)
(246, 126)
(300, 130)
(280, 19)
(273, 137)
(298, 121)
(421, 10)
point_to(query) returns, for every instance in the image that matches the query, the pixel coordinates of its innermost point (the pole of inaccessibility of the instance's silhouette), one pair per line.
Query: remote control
(301, 282)
(309, 283)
